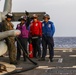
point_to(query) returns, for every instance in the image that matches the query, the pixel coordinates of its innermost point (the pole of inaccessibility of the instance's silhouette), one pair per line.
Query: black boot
(41, 59)
(51, 59)
(14, 63)
(24, 59)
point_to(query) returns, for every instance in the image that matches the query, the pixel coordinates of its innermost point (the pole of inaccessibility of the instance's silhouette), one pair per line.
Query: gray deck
(64, 64)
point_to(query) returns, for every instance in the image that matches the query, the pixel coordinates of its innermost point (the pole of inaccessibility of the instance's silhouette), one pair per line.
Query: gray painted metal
(17, 15)
(3, 47)
(9, 33)
(0, 16)
(7, 6)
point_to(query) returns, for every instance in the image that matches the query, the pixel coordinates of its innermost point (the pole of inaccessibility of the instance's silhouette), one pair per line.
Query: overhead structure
(17, 15)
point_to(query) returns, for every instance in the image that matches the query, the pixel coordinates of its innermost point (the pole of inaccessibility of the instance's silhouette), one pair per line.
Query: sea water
(65, 42)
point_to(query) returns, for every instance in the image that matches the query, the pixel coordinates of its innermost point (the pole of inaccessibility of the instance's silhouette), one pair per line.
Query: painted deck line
(74, 66)
(54, 56)
(64, 48)
(72, 55)
(47, 67)
(60, 60)
(70, 50)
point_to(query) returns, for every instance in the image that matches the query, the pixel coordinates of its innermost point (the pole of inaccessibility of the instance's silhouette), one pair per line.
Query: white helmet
(9, 15)
(22, 18)
(35, 15)
(46, 15)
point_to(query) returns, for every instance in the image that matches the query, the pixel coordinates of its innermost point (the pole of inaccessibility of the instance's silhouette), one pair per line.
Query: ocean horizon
(65, 42)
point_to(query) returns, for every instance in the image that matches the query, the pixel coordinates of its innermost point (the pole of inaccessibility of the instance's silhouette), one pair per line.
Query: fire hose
(23, 70)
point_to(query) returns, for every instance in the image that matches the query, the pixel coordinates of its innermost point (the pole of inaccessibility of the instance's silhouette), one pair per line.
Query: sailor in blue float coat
(48, 31)
(48, 28)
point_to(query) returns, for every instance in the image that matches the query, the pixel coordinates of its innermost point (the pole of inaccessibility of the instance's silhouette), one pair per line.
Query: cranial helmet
(35, 15)
(22, 18)
(9, 15)
(46, 16)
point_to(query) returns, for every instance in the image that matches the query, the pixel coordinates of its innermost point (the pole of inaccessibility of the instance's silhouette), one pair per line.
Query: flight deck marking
(60, 60)
(72, 55)
(54, 56)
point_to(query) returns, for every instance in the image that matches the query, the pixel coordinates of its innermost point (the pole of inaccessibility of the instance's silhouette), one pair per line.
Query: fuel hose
(34, 64)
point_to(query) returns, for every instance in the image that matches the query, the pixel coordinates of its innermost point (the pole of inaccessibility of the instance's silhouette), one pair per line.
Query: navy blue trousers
(36, 47)
(48, 41)
(23, 42)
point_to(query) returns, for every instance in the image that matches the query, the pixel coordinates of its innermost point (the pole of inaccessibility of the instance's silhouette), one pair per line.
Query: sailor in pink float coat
(23, 37)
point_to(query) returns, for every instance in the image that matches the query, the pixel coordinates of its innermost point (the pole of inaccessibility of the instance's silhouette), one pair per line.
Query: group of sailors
(32, 31)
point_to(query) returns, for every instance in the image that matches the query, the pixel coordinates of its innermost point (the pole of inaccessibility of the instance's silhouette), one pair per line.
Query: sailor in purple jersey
(23, 37)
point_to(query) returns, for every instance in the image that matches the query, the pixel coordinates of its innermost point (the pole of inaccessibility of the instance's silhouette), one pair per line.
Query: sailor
(22, 38)
(36, 34)
(6, 26)
(48, 30)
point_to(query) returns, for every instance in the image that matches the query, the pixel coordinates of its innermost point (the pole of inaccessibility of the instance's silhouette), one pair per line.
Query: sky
(62, 13)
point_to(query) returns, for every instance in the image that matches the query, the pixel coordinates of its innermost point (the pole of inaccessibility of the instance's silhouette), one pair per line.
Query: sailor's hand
(27, 13)
(17, 33)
